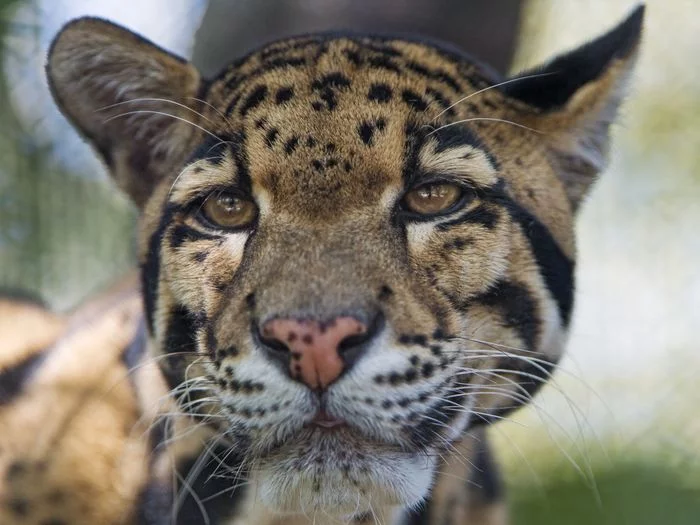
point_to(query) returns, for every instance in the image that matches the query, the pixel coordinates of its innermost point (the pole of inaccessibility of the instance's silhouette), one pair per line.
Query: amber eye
(226, 210)
(432, 198)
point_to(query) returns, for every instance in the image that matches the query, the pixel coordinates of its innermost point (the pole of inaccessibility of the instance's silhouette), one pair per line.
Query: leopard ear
(576, 96)
(133, 101)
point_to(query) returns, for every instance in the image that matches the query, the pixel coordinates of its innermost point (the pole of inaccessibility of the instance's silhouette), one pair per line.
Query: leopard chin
(336, 474)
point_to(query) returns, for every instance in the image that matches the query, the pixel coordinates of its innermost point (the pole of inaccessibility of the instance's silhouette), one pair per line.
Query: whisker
(152, 112)
(487, 119)
(509, 81)
(151, 99)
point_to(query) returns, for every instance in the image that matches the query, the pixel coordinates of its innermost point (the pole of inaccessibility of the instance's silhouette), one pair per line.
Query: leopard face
(353, 250)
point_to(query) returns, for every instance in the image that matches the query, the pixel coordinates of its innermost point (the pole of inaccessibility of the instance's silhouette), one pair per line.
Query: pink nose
(314, 346)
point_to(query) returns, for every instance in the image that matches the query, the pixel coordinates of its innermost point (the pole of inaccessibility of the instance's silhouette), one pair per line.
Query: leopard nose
(315, 352)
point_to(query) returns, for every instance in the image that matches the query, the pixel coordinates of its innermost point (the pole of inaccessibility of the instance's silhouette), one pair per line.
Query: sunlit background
(615, 439)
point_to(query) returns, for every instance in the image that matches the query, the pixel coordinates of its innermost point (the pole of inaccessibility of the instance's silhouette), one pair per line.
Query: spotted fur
(326, 133)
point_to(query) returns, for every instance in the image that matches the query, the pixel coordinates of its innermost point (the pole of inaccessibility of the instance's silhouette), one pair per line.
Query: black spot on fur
(332, 80)
(458, 243)
(352, 56)
(381, 93)
(271, 137)
(19, 507)
(256, 97)
(366, 132)
(200, 257)
(414, 100)
(291, 145)
(441, 100)
(250, 301)
(437, 74)
(15, 470)
(382, 62)
(385, 292)
(283, 95)
(14, 378)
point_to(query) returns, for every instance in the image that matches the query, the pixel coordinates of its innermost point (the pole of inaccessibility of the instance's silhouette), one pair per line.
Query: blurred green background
(616, 438)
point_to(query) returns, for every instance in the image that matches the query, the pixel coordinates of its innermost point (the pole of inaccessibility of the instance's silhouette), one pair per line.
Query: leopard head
(354, 249)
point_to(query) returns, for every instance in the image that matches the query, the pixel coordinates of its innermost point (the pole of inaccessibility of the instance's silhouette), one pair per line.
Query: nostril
(353, 345)
(274, 344)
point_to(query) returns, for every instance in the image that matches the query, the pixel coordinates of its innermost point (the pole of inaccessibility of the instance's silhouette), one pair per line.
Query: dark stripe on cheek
(179, 337)
(517, 307)
(150, 268)
(482, 215)
(556, 268)
(181, 234)
(181, 331)
(14, 379)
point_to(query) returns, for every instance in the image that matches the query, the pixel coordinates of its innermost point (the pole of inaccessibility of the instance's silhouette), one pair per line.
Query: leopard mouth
(339, 471)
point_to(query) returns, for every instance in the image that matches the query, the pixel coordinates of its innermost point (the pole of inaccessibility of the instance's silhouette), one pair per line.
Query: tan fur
(74, 448)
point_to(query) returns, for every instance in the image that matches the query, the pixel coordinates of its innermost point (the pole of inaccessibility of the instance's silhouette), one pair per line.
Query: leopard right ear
(576, 97)
(133, 101)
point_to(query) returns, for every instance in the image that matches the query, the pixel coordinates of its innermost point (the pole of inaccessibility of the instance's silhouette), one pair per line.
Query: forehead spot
(381, 93)
(256, 97)
(271, 137)
(291, 144)
(283, 95)
(414, 100)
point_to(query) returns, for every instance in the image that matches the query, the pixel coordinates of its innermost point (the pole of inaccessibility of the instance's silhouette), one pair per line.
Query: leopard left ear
(133, 101)
(576, 96)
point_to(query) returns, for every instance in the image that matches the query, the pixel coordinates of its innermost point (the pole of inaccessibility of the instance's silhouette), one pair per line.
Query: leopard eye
(226, 210)
(430, 199)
